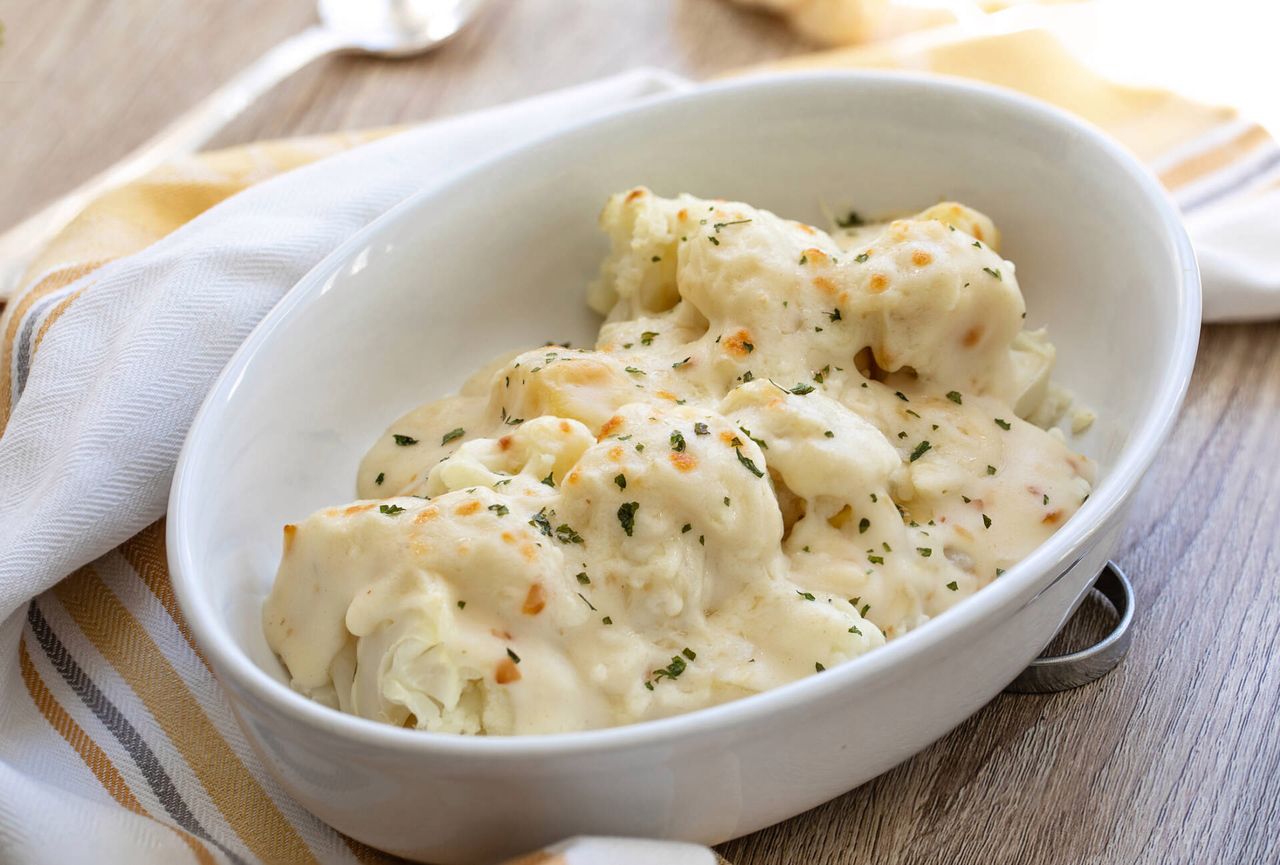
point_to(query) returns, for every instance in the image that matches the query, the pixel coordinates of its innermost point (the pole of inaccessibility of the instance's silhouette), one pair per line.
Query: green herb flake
(986, 521)
(513, 656)
(991, 470)
(835, 315)
(656, 258)
(588, 603)
(672, 670)
(801, 389)
(452, 434)
(804, 259)
(627, 516)
(677, 441)
(550, 480)
(817, 665)
(462, 605)
(995, 272)
(681, 363)
(701, 429)
(689, 653)
(748, 464)
(404, 441)
(646, 338)
(999, 572)
(566, 535)
(863, 525)
(1046, 499)
(900, 395)
(608, 620)
(715, 241)
(953, 585)
(635, 370)
(829, 434)
(924, 551)
(966, 499)
(583, 578)
(540, 522)
(720, 225)
(500, 510)
(853, 629)
(390, 510)
(382, 476)
(1002, 423)
(861, 259)
(920, 450)
(702, 540)
(876, 560)
(686, 528)
(808, 596)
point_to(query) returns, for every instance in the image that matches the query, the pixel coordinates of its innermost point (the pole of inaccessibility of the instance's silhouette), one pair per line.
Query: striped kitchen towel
(116, 744)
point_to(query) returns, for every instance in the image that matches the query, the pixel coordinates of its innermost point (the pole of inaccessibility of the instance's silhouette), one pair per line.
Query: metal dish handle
(1046, 675)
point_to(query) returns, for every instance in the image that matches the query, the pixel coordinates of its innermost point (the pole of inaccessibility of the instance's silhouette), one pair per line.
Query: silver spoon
(383, 28)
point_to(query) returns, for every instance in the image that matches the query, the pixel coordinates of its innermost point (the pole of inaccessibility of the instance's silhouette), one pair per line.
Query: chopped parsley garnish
(808, 596)
(689, 653)
(746, 461)
(627, 516)
(720, 225)
(550, 480)
(863, 525)
(953, 585)
(760, 443)
(701, 429)
(853, 629)
(986, 521)
(714, 240)
(913, 413)
(513, 421)
(608, 620)
(726, 501)
(874, 497)
(966, 499)
(999, 572)
(636, 371)
(540, 522)
(834, 315)
(924, 551)
(849, 220)
(801, 389)
(861, 258)
(566, 535)
(686, 528)
(656, 258)
(672, 670)
(681, 363)
(404, 441)
(646, 338)
(1046, 498)
(748, 376)
(677, 441)
(900, 395)
(452, 434)
(804, 259)
(995, 273)
(513, 656)
(829, 434)
(500, 510)
(991, 470)
(817, 665)
(382, 476)
(588, 603)
(702, 540)
(876, 560)
(621, 481)
(583, 578)
(920, 450)
(1002, 423)
(462, 605)
(390, 510)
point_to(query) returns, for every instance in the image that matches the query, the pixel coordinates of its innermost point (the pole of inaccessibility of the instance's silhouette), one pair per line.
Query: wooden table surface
(1173, 758)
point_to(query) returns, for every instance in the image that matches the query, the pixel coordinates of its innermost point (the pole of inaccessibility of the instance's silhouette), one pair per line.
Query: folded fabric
(110, 722)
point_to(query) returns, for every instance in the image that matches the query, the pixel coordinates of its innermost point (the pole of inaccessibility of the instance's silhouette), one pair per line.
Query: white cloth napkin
(89, 451)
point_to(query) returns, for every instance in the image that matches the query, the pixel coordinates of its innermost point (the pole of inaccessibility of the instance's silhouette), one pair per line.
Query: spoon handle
(20, 244)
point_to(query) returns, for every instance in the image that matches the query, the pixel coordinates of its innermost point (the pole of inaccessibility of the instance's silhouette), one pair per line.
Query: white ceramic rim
(229, 660)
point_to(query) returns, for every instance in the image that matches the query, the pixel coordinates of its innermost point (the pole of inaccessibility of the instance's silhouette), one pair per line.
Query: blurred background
(82, 82)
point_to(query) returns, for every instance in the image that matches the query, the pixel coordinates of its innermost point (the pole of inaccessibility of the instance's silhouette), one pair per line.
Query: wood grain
(1173, 758)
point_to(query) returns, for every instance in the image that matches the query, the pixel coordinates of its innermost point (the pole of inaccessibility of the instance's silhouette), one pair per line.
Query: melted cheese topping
(787, 447)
